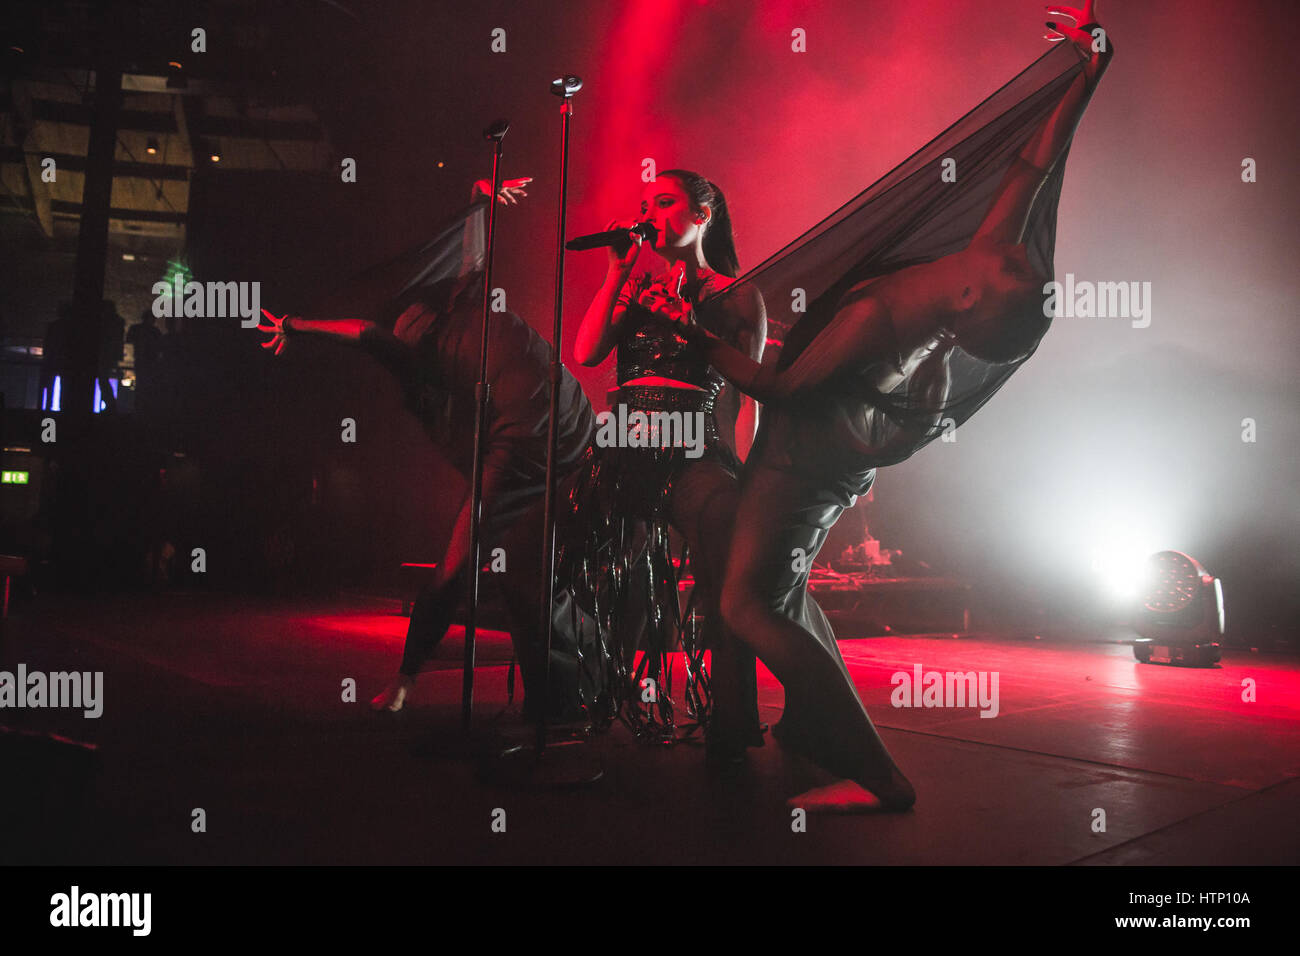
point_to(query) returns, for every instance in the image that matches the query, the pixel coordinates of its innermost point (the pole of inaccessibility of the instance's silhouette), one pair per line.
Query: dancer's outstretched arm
(864, 334)
(397, 355)
(391, 351)
(1006, 218)
(374, 339)
(857, 335)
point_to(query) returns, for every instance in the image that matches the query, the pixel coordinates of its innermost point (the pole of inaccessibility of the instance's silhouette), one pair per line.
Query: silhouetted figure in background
(54, 353)
(111, 328)
(146, 345)
(167, 373)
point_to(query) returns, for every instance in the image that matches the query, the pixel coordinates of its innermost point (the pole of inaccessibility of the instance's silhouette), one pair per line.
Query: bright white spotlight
(1119, 559)
(1119, 571)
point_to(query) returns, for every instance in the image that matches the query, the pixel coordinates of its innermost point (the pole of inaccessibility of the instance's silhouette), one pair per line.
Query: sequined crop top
(649, 345)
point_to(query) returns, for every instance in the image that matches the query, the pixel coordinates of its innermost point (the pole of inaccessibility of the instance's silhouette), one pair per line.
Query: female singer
(834, 415)
(659, 371)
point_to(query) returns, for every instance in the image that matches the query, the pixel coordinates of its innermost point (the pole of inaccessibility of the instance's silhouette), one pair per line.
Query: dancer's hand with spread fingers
(1083, 33)
(510, 191)
(275, 327)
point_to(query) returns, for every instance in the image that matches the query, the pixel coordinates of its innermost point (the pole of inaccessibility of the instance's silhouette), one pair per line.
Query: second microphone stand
(569, 765)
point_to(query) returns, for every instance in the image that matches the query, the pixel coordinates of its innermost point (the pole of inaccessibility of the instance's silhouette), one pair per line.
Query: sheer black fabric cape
(911, 215)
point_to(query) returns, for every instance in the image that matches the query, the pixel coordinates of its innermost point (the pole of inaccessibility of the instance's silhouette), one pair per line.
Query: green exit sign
(13, 477)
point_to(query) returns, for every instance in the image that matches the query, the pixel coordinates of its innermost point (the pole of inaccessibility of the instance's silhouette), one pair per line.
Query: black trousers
(513, 518)
(781, 524)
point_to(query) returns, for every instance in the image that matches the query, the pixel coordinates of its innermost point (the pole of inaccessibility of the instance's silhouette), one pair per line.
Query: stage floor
(234, 705)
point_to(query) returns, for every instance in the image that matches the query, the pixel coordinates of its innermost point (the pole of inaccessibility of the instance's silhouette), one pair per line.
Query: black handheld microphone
(618, 238)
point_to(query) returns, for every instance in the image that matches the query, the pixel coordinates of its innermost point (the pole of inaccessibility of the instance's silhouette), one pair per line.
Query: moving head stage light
(1179, 613)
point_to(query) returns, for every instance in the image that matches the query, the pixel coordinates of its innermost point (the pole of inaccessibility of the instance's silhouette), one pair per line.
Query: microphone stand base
(453, 741)
(566, 763)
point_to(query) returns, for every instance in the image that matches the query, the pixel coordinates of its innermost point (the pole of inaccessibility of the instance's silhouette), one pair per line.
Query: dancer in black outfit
(867, 380)
(430, 339)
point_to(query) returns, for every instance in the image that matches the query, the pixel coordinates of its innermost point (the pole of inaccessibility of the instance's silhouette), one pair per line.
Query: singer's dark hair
(719, 244)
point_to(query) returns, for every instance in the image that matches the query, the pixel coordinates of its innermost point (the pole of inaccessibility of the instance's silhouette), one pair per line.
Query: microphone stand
(564, 87)
(486, 744)
(496, 133)
(568, 766)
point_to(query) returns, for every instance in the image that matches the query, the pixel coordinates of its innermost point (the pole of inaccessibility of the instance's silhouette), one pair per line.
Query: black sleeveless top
(650, 346)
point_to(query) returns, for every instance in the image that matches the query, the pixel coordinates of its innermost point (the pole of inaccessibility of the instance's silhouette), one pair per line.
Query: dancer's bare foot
(861, 791)
(848, 796)
(842, 796)
(394, 695)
